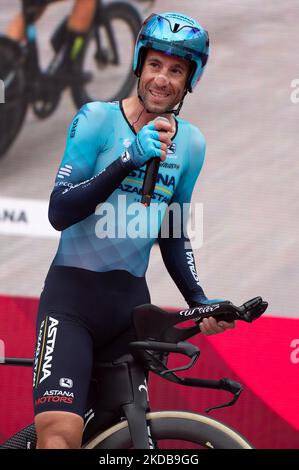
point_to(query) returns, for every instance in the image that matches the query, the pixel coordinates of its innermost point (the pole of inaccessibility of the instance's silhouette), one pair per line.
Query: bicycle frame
(43, 85)
(32, 62)
(108, 404)
(32, 67)
(131, 399)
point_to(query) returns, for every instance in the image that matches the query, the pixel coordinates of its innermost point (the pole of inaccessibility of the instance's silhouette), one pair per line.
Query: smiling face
(163, 81)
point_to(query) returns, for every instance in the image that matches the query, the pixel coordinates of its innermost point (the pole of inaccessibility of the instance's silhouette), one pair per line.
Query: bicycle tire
(176, 425)
(13, 111)
(131, 19)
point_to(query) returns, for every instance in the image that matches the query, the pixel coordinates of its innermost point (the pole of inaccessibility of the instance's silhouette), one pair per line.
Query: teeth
(155, 93)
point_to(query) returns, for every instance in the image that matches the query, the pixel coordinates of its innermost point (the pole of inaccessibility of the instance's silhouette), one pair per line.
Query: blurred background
(250, 194)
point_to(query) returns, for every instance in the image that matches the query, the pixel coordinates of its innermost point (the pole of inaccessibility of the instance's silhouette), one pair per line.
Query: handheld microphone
(150, 177)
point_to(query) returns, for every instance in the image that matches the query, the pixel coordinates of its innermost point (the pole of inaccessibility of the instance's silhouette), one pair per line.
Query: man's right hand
(151, 141)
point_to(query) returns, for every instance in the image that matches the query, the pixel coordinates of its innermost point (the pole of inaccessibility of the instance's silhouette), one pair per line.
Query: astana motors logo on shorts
(55, 396)
(44, 350)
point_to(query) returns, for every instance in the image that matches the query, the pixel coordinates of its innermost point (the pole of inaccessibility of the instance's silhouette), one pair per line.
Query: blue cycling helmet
(174, 34)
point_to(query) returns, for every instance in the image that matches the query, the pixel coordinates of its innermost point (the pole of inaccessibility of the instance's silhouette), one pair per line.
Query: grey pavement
(249, 183)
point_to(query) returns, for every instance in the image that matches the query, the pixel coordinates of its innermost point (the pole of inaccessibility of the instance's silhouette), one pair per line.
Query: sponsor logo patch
(64, 382)
(44, 350)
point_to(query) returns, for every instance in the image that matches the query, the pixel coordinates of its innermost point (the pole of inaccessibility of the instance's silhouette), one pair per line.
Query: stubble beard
(156, 108)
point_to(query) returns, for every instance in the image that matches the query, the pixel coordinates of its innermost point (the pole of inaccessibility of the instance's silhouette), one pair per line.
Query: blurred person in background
(78, 24)
(96, 279)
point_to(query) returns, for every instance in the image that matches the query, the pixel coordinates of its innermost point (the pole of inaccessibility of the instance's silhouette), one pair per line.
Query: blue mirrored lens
(160, 27)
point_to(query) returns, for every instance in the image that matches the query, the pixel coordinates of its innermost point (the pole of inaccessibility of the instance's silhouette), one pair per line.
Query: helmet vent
(176, 27)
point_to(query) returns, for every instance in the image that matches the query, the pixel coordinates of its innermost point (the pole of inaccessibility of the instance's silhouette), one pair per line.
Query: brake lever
(229, 386)
(225, 405)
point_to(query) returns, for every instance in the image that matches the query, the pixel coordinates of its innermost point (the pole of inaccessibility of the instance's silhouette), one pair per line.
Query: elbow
(56, 214)
(56, 224)
(56, 221)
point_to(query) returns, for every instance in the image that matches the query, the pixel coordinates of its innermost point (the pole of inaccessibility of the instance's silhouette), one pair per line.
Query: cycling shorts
(82, 315)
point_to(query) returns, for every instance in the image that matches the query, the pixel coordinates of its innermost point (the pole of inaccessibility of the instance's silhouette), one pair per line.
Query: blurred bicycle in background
(102, 71)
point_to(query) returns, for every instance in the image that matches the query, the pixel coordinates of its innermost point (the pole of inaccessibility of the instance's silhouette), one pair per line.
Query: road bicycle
(118, 413)
(102, 71)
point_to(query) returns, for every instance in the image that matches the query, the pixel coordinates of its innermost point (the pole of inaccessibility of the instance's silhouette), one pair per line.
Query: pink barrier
(263, 356)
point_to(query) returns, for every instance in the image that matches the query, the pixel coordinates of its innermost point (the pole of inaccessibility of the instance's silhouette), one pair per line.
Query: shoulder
(192, 132)
(197, 138)
(97, 110)
(196, 145)
(91, 119)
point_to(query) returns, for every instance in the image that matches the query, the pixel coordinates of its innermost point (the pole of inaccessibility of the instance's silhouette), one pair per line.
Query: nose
(161, 80)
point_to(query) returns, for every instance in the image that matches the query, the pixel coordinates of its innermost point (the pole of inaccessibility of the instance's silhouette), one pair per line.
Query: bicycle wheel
(174, 429)
(24, 439)
(13, 111)
(108, 57)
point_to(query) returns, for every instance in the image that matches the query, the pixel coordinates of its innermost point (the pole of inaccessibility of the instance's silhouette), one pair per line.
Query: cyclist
(98, 273)
(74, 33)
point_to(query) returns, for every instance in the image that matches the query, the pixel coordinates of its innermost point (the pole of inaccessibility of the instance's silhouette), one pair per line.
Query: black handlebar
(158, 336)
(153, 323)
(187, 349)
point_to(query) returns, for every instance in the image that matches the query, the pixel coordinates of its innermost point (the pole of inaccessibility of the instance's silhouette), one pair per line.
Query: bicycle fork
(135, 411)
(124, 387)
